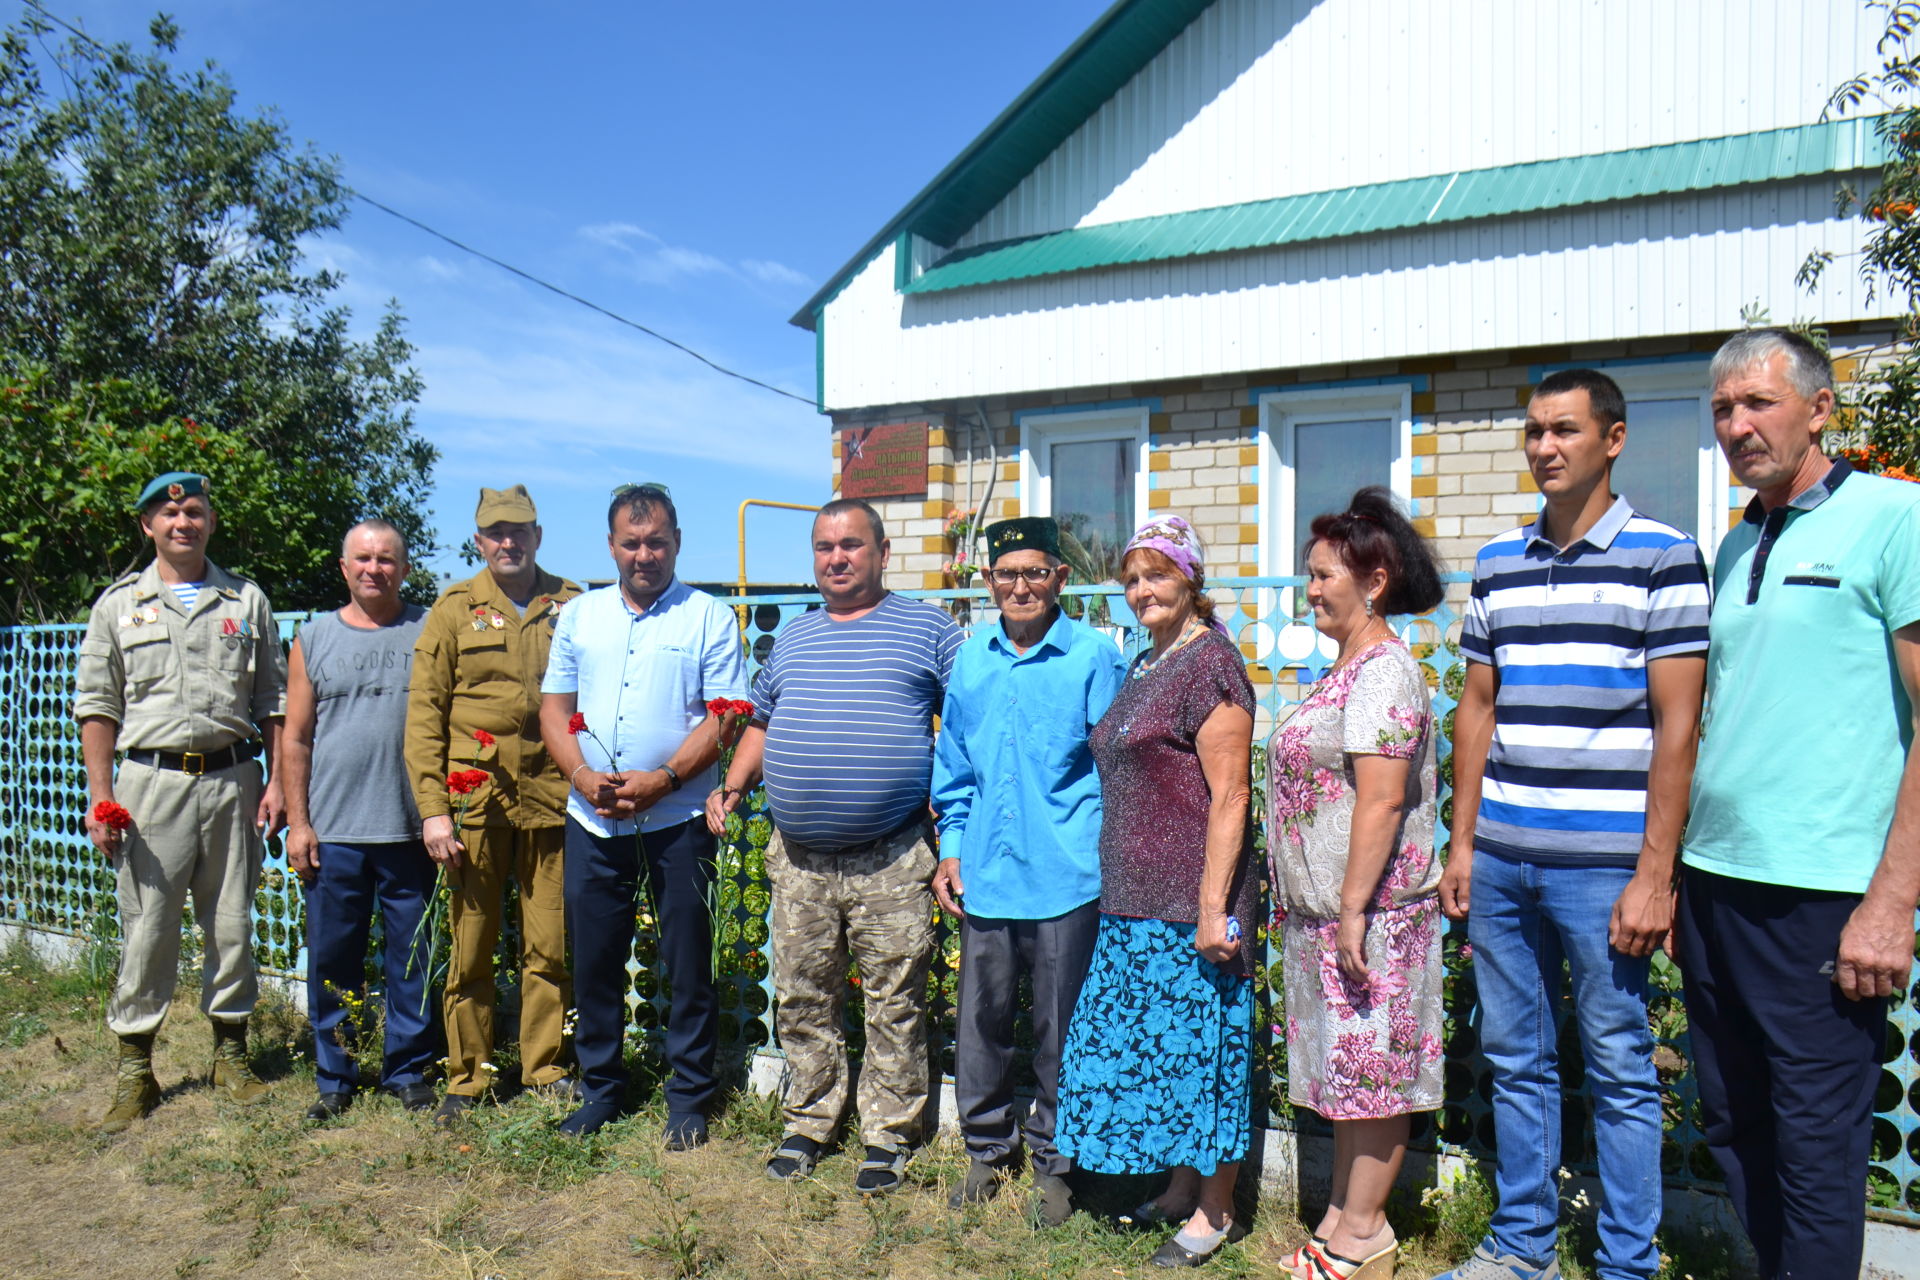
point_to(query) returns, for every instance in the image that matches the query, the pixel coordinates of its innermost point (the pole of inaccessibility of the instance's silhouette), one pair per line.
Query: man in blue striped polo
(843, 732)
(1573, 747)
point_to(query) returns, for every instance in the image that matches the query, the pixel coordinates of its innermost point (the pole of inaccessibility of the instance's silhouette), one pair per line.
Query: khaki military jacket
(179, 681)
(477, 665)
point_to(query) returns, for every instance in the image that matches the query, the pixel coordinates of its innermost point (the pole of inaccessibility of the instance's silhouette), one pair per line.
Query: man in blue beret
(181, 671)
(1019, 806)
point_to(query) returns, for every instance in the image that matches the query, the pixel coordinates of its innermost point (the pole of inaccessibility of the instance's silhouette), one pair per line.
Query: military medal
(497, 621)
(151, 613)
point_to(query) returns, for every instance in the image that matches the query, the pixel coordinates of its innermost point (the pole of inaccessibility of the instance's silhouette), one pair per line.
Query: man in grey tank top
(353, 831)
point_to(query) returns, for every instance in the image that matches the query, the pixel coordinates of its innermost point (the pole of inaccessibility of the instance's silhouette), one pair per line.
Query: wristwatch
(673, 779)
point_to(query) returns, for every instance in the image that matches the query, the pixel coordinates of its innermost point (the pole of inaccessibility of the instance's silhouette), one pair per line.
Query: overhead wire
(438, 234)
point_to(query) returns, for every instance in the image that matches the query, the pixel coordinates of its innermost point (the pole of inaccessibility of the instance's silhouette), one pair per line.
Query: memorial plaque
(887, 461)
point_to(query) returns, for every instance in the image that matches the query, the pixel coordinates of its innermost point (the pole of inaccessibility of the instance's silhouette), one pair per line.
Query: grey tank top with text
(359, 791)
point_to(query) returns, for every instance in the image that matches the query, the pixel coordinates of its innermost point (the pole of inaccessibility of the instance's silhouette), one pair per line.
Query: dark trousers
(355, 880)
(1786, 1067)
(604, 877)
(993, 955)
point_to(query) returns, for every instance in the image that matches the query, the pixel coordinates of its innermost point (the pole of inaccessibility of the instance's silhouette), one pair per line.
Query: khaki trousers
(877, 906)
(477, 891)
(192, 837)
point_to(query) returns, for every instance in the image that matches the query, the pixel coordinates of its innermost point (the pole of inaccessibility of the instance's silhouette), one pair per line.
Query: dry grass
(204, 1188)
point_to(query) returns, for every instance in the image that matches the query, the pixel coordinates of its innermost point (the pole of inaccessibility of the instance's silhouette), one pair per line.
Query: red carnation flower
(740, 708)
(466, 781)
(718, 707)
(577, 723)
(482, 737)
(112, 815)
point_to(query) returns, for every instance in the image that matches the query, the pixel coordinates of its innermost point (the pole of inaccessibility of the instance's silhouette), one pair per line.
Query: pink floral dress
(1358, 1052)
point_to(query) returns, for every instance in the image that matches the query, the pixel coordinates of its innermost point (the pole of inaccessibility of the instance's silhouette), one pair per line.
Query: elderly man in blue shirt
(639, 661)
(1019, 806)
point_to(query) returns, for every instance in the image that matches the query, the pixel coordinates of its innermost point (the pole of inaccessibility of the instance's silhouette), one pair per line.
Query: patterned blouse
(1377, 704)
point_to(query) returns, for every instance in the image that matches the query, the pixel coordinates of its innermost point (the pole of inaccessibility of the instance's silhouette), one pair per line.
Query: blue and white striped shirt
(1569, 634)
(849, 710)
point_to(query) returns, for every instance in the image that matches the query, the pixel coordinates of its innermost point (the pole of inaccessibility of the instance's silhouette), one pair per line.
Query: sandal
(1323, 1264)
(794, 1158)
(1193, 1251)
(882, 1171)
(1295, 1263)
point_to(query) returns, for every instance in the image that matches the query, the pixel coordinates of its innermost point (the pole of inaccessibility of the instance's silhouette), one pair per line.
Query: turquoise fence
(51, 879)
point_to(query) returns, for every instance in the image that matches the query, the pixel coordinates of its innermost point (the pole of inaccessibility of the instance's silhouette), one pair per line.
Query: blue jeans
(354, 881)
(1523, 920)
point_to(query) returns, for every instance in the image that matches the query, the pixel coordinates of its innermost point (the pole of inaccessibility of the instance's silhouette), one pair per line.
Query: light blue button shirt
(643, 681)
(1013, 778)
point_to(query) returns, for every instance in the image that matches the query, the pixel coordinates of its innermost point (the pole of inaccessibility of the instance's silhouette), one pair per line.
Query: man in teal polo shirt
(1019, 805)
(1802, 855)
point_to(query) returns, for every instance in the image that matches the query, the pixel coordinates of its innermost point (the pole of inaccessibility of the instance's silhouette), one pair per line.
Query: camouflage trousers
(875, 906)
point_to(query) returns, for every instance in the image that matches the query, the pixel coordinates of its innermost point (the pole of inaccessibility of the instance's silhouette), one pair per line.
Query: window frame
(1685, 380)
(1281, 412)
(1043, 428)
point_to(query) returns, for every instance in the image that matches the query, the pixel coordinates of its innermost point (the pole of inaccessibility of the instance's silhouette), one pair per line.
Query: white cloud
(774, 272)
(441, 269)
(649, 259)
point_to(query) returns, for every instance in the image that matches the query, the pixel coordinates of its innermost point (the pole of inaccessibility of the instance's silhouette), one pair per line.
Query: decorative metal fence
(51, 879)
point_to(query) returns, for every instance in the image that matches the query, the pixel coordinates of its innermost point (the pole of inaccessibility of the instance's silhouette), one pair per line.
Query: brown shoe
(230, 1069)
(135, 1091)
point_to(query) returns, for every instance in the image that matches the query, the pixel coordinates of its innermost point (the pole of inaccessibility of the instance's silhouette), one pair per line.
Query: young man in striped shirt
(1585, 640)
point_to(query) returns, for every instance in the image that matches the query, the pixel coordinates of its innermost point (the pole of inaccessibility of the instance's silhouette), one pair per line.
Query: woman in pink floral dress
(1351, 780)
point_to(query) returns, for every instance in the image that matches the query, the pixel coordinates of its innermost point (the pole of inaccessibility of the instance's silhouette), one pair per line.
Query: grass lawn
(205, 1188)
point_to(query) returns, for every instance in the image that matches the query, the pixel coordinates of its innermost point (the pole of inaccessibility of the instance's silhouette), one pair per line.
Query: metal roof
(1772, 156)
(1112, 51)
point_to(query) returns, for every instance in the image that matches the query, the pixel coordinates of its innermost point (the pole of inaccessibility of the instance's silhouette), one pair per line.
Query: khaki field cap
(508, 506)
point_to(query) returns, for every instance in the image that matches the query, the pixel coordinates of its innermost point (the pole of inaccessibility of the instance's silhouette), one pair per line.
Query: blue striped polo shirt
(1569, 632)
(849, 710)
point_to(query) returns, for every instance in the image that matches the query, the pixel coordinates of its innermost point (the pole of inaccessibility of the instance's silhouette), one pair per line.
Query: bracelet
(576, 773)
(673, 779)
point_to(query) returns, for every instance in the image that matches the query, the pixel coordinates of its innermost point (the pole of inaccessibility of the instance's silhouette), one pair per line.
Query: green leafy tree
(157, 313)
(1883, 402)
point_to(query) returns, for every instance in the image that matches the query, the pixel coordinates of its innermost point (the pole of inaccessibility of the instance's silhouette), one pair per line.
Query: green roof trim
(1111, 52)
(1776, 155)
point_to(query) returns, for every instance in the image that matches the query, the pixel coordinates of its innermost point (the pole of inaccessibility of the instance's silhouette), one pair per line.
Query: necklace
(1145, 666)
(1361, 644)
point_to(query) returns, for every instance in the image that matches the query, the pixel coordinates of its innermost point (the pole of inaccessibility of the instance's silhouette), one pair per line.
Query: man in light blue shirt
(1019, 805)
(638, 662)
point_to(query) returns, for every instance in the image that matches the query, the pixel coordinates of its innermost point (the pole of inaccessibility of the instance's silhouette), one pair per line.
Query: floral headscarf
(1175, 539)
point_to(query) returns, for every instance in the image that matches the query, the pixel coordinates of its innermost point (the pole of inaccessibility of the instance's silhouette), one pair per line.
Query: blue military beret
(172, 487)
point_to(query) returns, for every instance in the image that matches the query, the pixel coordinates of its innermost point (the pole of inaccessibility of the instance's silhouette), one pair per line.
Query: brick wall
(1469, 478)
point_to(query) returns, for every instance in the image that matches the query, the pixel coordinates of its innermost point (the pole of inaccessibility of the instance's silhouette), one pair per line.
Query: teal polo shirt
(1808, 725)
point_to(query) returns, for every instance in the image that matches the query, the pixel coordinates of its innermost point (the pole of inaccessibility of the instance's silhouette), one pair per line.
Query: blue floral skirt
(1157, 1068)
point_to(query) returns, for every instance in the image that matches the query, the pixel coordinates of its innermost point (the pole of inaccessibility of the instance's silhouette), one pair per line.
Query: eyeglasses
(647, 486)
(1034, 574)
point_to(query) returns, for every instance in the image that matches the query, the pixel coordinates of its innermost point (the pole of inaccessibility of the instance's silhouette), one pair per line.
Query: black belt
(197, 762)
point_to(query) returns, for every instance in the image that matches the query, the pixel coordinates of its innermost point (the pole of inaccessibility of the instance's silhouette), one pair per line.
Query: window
(1088, 470)
(1671, 468)
(1323, 445)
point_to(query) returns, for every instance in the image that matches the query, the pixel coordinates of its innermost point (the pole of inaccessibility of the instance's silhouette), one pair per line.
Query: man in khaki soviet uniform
(477, 668)
(180, 668)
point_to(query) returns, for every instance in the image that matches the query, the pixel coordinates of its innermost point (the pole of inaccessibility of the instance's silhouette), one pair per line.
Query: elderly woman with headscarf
(1159, 1054)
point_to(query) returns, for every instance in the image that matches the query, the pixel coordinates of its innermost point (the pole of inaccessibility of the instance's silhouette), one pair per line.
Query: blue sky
(698, 168)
